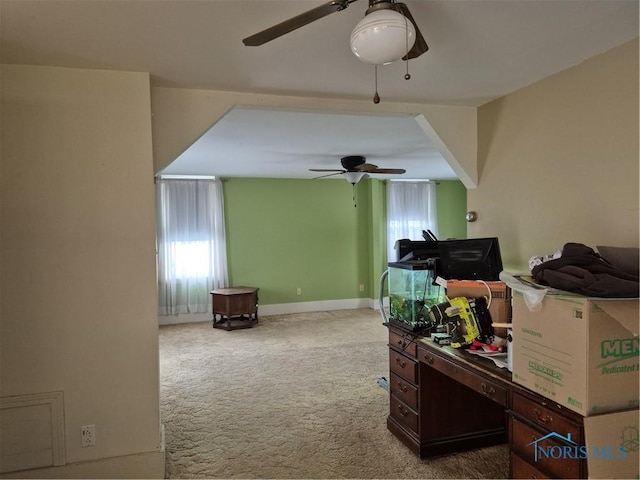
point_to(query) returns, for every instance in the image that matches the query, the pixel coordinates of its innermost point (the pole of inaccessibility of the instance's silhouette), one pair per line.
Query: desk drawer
(404, 390)
(546, 417)
(480, 384)
(521, 469)
(522, 439)
(403, 366)
(402, 343)
(404, 415)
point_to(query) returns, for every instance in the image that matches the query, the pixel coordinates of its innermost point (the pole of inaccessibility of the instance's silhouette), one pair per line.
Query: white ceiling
(286, 144)
(479, 50)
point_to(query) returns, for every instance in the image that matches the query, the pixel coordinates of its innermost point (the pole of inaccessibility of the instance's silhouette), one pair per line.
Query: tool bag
(465, 319)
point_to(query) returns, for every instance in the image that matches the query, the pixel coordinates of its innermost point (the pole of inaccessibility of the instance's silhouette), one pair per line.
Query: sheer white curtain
(411, 208)
(192, 253)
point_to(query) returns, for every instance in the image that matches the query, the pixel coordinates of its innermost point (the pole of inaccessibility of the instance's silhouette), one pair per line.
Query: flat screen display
(470, 259)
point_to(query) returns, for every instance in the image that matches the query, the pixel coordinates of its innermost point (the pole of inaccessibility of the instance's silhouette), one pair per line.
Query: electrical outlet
(298, 291)
(362, 287)
(88, 435)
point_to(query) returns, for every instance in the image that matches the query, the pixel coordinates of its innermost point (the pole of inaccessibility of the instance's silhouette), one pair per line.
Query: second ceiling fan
(355, 169)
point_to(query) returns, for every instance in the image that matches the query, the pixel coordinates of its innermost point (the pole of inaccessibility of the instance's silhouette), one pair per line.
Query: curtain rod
(407, 180)
(186, 177)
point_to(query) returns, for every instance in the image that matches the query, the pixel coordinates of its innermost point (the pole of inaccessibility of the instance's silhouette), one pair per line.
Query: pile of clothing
(612, 272)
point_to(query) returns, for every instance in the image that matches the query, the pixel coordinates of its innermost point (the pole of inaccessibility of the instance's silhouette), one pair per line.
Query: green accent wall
(285, 234)
(377, 235)
(451, 198)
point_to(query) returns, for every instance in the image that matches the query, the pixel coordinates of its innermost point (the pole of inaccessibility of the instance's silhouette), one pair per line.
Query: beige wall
(78, 306)
(558, 161)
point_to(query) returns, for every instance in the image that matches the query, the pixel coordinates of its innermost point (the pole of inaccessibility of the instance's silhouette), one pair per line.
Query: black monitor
(415, 250)
(470, 259)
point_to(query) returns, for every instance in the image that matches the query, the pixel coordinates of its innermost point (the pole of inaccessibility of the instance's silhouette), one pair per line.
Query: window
(191, 244)
(411, 208)
(191, 259)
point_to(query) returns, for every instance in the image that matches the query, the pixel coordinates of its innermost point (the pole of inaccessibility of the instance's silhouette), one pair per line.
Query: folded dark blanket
(581, 270)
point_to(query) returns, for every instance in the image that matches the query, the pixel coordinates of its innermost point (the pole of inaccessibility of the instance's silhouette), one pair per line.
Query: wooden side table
(235, 307)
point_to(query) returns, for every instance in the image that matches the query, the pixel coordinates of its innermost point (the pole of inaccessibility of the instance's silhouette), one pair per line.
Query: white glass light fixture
(382, 36)
(354, 177)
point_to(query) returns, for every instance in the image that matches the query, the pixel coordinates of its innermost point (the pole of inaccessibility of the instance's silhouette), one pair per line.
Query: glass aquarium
(412, 291)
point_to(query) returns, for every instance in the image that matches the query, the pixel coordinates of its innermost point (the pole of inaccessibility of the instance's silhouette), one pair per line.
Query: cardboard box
(580, 352)
(612, 445)
(500, 308)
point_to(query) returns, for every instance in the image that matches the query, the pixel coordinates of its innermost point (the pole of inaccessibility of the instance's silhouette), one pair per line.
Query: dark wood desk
(445, 400)
(235, 307)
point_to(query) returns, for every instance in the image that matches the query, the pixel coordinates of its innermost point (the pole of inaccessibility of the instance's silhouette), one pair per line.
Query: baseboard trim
(140, 465)
(285, 308)
(184, 318)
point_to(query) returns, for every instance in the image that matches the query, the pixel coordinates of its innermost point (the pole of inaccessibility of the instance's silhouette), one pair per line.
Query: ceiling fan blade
(366, 167)
(388, 170)
(420, 46)
(326, 170)
(329, 175)
(298, 21)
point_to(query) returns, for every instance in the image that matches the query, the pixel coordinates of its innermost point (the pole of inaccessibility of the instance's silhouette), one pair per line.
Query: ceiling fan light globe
(353, 177)
(382, 37)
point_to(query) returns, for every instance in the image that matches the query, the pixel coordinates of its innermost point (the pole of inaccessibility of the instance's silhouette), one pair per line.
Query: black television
(470, 259)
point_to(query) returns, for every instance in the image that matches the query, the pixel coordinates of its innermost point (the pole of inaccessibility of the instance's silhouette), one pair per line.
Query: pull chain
(355, 205)
(407, 76)
(376, 97)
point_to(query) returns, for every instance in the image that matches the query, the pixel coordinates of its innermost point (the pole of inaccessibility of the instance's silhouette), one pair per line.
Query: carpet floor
(294, 397)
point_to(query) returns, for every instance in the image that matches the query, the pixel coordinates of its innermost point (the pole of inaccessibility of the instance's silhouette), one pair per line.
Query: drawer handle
(487, 390)
(542, 420)
(403, 411)
(429, 359)
(403, 388)
(400, 363)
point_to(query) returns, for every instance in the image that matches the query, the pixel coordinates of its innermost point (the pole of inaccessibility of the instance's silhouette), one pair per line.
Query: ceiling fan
(355, 169)
(369, 42)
